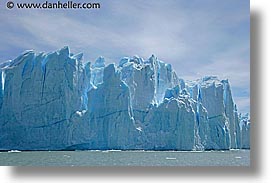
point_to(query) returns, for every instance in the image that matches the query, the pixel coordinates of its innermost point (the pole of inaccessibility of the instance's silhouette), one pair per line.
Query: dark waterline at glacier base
(126, 158)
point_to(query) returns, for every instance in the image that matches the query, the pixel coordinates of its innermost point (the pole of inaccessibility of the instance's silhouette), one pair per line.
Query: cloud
(196, 37)
(243, 104)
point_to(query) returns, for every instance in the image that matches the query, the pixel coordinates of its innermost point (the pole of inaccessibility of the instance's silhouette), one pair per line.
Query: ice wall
(52, 101)
(245, 131)
(215, 95)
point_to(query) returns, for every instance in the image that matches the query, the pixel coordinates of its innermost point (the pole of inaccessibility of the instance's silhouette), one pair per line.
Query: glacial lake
(126, 158)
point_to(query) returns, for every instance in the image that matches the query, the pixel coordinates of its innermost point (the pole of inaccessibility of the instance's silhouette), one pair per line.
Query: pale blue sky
(198, 37)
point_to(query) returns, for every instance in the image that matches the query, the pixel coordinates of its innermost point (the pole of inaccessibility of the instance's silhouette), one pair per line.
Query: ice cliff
(53, 101)
(245, 131)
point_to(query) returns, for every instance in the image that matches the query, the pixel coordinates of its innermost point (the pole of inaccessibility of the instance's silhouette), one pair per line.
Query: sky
(198, 37)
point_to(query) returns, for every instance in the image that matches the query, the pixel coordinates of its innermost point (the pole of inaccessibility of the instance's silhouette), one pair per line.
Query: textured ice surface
(245, 131)
(53, 101)
(216, 97)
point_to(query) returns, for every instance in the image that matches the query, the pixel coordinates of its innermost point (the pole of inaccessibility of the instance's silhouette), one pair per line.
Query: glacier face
(54, 101)
(245, 131)
(216, 97)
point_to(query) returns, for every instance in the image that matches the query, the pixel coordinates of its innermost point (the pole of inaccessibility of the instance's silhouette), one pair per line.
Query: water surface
(126, 158)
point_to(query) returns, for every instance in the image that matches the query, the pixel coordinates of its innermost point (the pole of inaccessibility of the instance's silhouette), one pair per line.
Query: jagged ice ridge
(54, 101)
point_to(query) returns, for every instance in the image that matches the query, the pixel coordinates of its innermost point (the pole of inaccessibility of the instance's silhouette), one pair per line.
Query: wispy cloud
(243, 104)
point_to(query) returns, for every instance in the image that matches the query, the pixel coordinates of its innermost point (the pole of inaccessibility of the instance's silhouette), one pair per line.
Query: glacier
(57, 101)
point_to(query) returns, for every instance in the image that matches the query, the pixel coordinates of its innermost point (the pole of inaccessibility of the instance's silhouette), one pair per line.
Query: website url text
(53, 5)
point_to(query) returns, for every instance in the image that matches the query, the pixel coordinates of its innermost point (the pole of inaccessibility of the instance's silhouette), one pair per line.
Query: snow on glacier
(53, 101)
